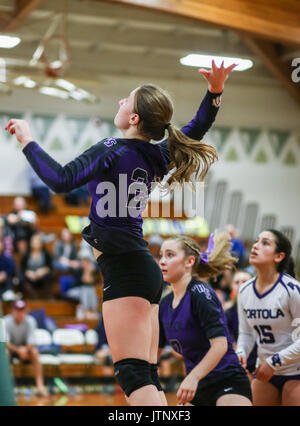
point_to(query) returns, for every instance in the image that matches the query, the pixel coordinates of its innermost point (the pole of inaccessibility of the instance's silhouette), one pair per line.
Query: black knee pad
(154, 376)
(132, 374)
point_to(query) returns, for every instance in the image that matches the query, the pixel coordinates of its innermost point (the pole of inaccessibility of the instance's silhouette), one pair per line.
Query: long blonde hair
(189, 156)
(218, 260)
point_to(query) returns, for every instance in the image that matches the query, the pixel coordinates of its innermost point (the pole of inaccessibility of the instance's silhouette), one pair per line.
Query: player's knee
(154, 376)
(133, 374)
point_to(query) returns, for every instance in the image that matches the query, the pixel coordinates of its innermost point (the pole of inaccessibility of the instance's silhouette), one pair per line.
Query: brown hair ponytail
(218, 260)
(189, 156)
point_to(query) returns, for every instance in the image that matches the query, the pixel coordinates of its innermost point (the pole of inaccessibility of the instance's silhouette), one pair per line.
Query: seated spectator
(20, 329)
(102, 354)
(22, 223)
(65, 257)
(83, 289)
(40, 191)
(238, 248)
(239, 278)
(6, 236)
(7, 275)
(36, 268)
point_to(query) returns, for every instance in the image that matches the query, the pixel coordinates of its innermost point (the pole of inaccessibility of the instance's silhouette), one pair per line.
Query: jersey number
(176, 345)
(264, 336)
(137, 190)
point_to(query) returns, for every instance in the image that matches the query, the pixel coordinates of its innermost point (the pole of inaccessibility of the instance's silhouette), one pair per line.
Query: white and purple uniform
(271, 319)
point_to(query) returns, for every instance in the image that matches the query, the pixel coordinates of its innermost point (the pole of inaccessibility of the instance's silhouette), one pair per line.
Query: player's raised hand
(216, 76)
(19, 128)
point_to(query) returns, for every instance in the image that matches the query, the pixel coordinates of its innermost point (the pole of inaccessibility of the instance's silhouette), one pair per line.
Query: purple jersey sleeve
(200, 124)
(78, 172)
(208, 312)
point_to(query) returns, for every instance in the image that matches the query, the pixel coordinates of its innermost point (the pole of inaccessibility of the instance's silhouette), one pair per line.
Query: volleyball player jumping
(119, 173)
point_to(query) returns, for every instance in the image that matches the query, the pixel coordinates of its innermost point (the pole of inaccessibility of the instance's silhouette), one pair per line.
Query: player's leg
(233, 400)
(33, 356)
(128, 326)
(265, 394)
(291, 393)
(154, 351)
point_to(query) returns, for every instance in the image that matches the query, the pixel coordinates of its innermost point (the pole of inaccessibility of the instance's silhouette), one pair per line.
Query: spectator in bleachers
(65, 256)
(6, 236)
(239, 278)
(7, 275)
(84, 287)
(20, 329)
(36, 268)
(22, 223)
(238, 248)
(40, 191)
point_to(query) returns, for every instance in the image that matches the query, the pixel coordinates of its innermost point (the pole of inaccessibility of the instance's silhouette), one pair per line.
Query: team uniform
(271, 319)
(119, 173)
(188, 328)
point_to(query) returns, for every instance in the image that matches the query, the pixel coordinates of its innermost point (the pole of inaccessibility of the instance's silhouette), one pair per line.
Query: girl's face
(173, 261)
(239, 278)
(36, 242)
(125, 115)
(263, 252)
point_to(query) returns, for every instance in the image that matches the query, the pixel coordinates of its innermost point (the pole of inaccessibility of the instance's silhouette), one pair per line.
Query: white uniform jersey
(272, 320)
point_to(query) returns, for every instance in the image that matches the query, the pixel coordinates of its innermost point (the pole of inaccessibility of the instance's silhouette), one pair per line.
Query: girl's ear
(134, 119)
(190, 261)
(279, 257)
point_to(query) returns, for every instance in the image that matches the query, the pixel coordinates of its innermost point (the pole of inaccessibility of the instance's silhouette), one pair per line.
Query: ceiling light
(8, 42)
(64, 84)
(56, 64)
(19, 81)
(52, 91)
(24, 81)
(29, 84)
(195, 60)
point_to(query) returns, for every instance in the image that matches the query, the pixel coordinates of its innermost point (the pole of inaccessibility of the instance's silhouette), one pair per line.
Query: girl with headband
(193, 322)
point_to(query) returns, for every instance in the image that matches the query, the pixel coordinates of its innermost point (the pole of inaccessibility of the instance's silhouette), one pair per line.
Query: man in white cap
(20, 329)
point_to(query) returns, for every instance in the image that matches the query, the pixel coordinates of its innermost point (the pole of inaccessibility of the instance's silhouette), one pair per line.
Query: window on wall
(234, 208)
(249, 222)
(289, 232)
(218, 204)
(268, 222)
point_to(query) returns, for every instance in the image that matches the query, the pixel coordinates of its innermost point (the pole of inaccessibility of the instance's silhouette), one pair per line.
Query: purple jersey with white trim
(189, 327)
(118, 173)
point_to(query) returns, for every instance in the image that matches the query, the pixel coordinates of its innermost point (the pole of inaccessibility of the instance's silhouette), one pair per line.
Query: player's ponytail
(189, 156)
(283, 245)
(215, 260)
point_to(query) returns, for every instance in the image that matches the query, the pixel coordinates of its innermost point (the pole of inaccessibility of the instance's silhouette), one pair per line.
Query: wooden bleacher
(63, 312)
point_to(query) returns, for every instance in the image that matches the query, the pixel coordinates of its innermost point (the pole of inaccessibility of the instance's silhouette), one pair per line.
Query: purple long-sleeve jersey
(118, 173)
(189, 327)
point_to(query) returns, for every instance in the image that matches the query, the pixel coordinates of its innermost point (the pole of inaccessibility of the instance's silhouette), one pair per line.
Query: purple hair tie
(204, 254)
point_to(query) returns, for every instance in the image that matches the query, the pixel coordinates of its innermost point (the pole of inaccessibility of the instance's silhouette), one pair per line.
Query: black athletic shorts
(131, 274)
(237, 383)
